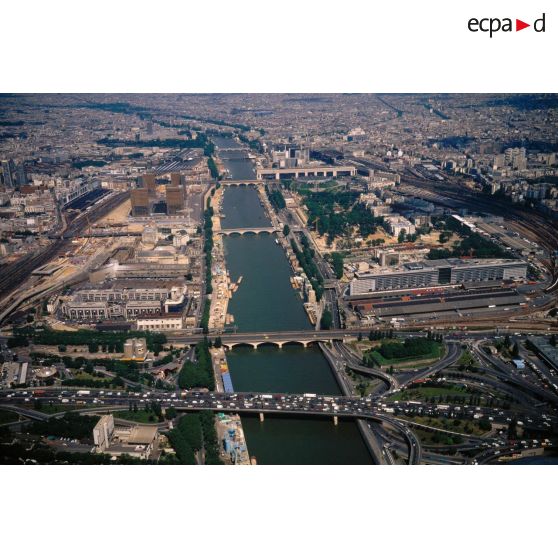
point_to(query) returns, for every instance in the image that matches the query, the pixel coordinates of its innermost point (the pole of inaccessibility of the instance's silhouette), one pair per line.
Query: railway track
(15, 274)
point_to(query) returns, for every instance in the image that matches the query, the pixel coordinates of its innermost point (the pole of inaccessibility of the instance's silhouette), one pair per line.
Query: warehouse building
(546, 351)
(431, 273)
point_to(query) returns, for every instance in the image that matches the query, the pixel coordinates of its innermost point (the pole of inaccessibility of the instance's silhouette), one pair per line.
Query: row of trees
(91, 338)
(210, 441)
(337, 263)
(213, 168)
(193, 433)
(305, 258)
(198, 374)
(276, 198)
(208, 249)
(376, 335)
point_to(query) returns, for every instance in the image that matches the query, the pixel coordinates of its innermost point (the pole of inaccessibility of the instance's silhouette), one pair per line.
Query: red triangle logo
(519, 25)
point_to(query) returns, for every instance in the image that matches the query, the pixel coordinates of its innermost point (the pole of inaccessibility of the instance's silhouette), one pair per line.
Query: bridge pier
(262, 418)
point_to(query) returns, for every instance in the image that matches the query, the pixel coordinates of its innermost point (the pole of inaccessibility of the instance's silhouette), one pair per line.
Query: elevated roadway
(243, 403)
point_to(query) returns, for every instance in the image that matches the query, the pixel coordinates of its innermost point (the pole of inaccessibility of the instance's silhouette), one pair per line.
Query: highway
(352, 362)
(392, 415)
(338, 367)
(245, 403)
(507, 374)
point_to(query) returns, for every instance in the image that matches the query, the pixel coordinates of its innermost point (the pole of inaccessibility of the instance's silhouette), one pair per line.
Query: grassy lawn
(8, 416)
(422, 393)
(455, 425)
(137, 416)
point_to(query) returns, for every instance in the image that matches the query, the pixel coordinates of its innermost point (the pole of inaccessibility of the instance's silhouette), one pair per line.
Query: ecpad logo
(494, 24)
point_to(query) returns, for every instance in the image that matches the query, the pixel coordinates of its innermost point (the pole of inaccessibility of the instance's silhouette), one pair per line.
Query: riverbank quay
(233, 446)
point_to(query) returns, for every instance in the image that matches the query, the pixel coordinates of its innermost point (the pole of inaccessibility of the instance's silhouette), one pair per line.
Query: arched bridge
(247, 230)
(278, 338)
(241, 182)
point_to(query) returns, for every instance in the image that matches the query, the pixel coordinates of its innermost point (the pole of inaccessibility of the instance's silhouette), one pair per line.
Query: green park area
(429, 393)
(198, 374)
(195, 432)
(412, 351)
(457, 426)
(107, 341)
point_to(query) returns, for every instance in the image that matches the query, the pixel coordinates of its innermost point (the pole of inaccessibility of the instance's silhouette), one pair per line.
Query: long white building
(430, 273)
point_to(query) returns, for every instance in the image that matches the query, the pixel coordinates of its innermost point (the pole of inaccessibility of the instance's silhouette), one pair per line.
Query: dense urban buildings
(376, 273)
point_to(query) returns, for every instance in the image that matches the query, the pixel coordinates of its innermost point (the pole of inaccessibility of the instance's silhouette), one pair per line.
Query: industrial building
(440, 301)
(547, 351)
(431, 273)
(14, 373)
(129, 303)
(141, 270)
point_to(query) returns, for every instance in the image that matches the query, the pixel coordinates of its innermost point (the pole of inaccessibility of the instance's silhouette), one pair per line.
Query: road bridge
(278, 338)
(352, 363)
(242, 182)
(243, 403)
(247, 230)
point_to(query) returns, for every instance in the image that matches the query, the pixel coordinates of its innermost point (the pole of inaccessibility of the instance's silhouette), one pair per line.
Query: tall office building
(21, 175)
(7, 173)
(149, 182)
(175, 199)
(102, 433)
(175, 179)
(140, 202)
